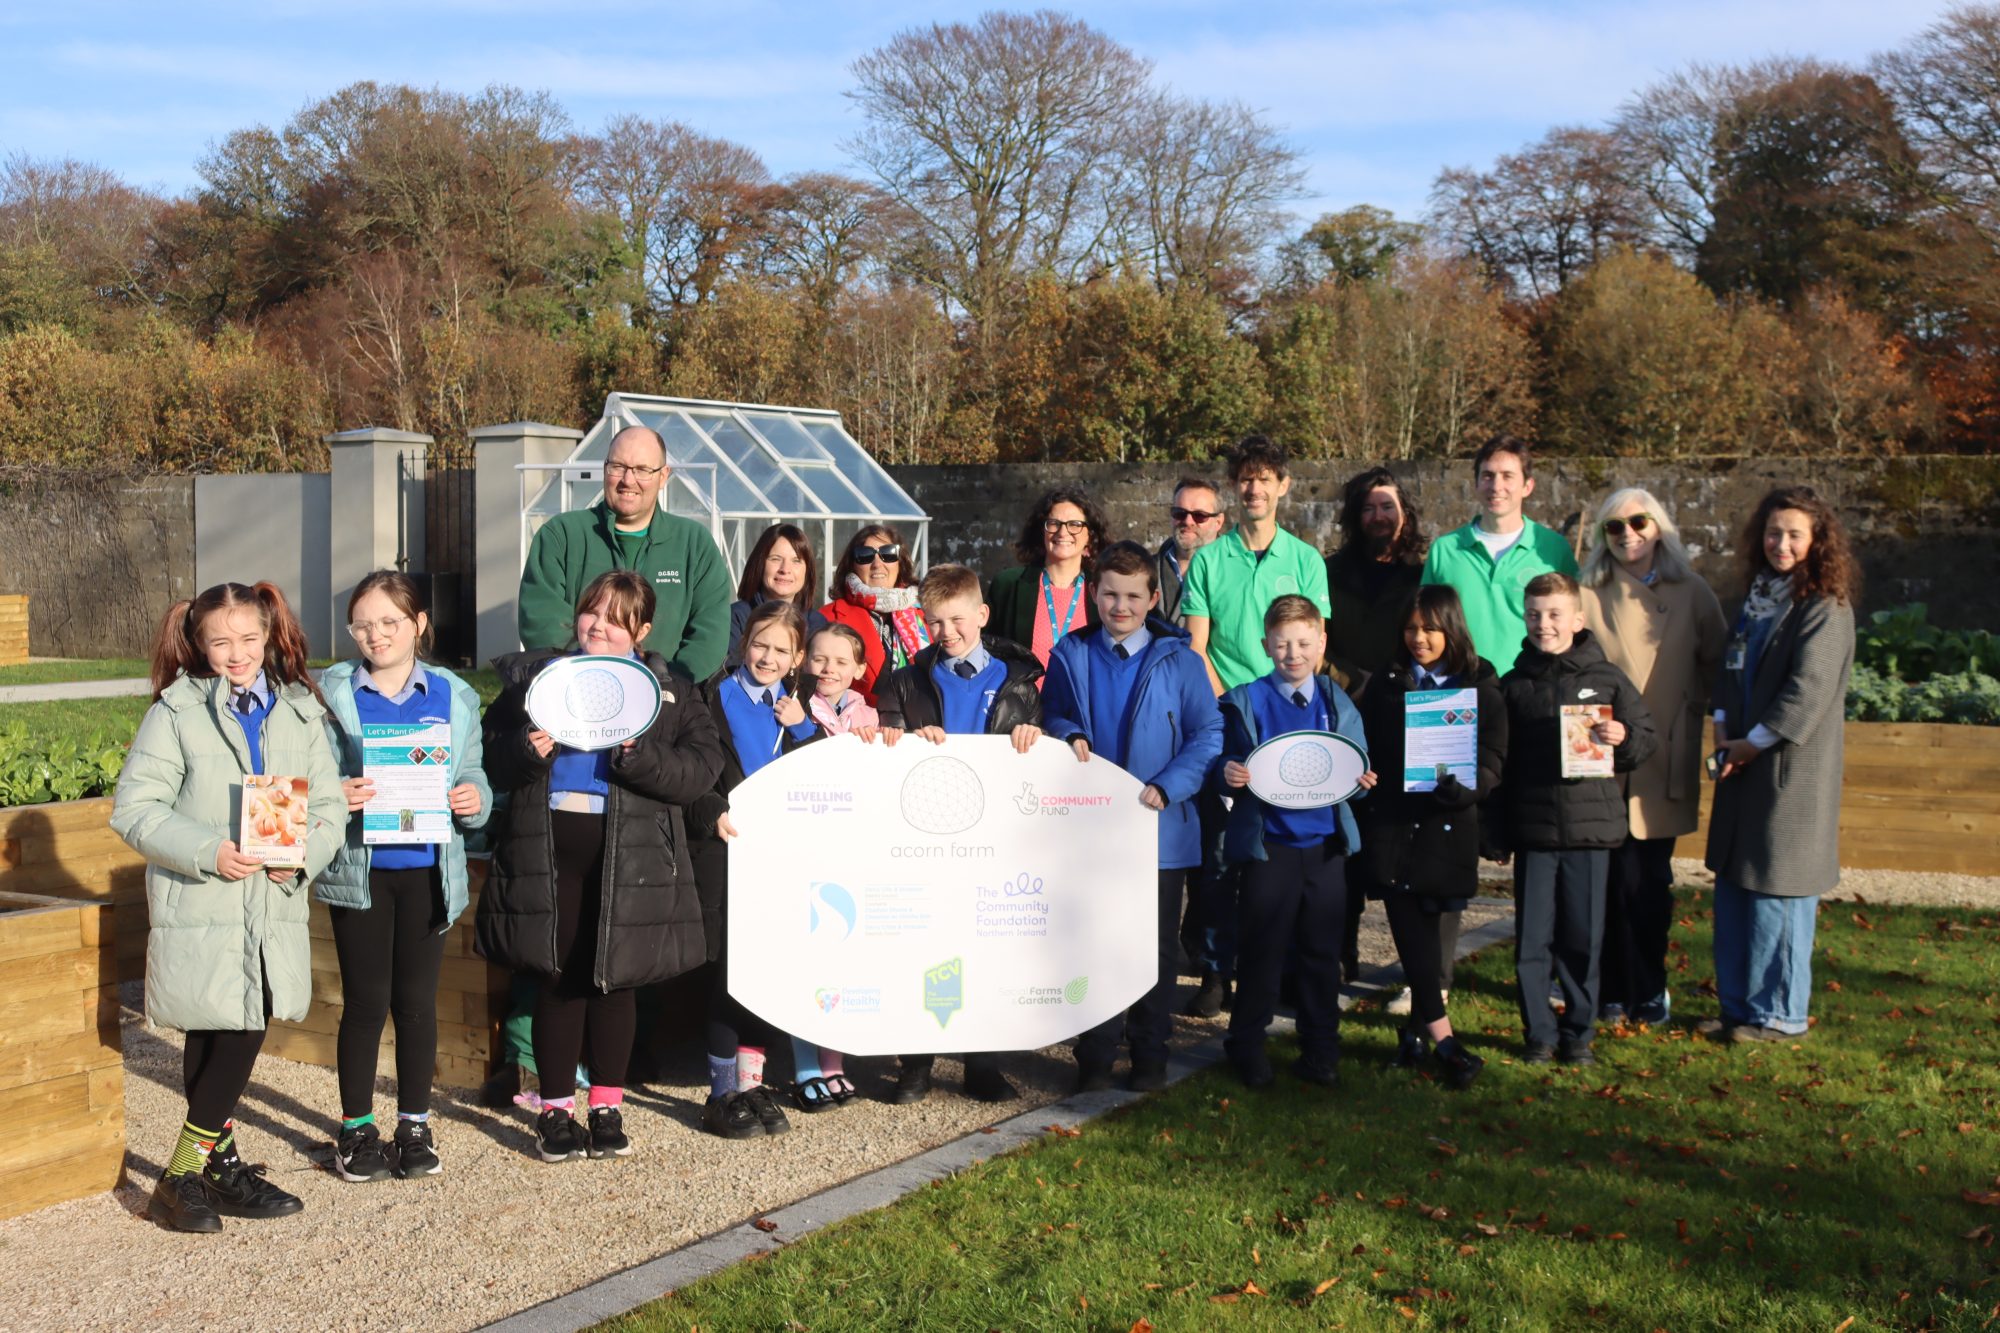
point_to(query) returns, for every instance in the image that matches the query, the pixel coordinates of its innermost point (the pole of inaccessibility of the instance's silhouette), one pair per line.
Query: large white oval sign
(1304, 770)
(593, 702)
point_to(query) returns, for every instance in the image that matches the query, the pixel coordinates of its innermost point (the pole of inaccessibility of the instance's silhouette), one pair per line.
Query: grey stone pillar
(367, 500)
(497, 452)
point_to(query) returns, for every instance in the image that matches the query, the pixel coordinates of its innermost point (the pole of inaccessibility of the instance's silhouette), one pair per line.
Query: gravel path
(1894, 887)
(497, 1232)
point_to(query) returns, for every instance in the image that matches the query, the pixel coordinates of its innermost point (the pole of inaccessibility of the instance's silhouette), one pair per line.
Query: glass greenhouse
(737, 469)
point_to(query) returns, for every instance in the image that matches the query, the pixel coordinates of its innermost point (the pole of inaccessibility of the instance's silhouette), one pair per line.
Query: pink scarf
(900, 606)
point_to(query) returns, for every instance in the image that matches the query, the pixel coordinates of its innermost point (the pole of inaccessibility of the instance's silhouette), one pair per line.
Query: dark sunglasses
(1180, 515)
(865, 555)
(1615, 527)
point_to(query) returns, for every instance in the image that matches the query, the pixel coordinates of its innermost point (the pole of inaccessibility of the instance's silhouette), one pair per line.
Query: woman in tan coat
(1660, 624)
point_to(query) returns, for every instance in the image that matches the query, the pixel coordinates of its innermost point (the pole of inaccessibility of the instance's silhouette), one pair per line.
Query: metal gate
(442, 474)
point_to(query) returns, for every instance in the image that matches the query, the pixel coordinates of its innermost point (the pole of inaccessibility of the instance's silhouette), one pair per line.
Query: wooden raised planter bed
(62, 1070)
(472, 1004)
(1915, 796)
(66, 849)
(13, 628)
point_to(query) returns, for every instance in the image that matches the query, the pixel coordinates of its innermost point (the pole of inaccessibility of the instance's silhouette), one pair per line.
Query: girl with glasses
(392, 903)
(1659, 623)
(875, 594)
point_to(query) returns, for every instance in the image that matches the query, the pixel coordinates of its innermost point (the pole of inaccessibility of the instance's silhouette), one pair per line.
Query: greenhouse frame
(737, 468)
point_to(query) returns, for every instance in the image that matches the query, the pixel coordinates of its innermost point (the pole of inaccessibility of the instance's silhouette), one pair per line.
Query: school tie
(1121, 650)
(964, 670)
(1299, 698)
(244, 703)
(769, 702)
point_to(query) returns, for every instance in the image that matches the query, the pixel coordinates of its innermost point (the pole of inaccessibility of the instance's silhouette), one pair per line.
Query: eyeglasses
(387, 627)
(1180, 515)
(1615, 527)
(866, 555)
(1069, 525)
(617, 470)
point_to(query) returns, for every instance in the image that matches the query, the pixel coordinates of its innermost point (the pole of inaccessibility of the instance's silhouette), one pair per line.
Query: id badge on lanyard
(1737, 653)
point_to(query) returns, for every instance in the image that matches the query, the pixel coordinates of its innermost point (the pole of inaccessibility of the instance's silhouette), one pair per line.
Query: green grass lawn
(74, 668)
(1677, 1185)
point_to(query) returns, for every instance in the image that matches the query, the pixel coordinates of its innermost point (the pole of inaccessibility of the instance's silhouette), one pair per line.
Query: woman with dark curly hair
(1048, 594)
(1370, 578)
(874, 590)
(1773, 834)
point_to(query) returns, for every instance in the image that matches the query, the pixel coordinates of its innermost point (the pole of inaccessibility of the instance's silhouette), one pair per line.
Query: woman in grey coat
(1773, 835)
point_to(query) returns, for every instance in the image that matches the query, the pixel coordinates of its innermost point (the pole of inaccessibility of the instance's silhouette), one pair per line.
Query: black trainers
(1319, 1073)
(913, 1084)
(237, 1189)
(1148, 1075)
(769, 1114)
(1535, 1053)
(180, 1203)
(1457, 1067)
(731, 1117)
(1253, 1067)
(557, 1135)
(416, 1152)
(1411, 1048)
(1208, 1001)
(1575, 1053)
(607, 1133)
(986, 1084)
(358, 1154)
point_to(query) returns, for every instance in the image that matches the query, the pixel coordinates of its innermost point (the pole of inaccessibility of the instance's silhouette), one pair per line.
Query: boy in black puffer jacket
(1562, 830)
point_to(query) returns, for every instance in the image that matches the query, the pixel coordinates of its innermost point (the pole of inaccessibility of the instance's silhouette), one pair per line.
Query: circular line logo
(942, 796)
(1306, 764)
(594, 695)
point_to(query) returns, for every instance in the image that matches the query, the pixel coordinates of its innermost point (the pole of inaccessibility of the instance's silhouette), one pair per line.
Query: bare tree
(1208, 178)
(1545, 214)
(1668, 135)
(86, 217)
(821, 229)
(688, 203)
(1002, 140)
(518, 147)
(1946, 86)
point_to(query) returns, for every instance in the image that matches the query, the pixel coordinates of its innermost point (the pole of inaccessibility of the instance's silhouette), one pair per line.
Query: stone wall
(1928, 529)
(100, 559)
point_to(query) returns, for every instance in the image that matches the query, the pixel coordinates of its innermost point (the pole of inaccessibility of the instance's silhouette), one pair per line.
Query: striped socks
(192, 1151)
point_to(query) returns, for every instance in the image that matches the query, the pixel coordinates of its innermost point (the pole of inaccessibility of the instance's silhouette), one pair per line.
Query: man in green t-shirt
(627, 529)
(1229, 585)
(1233, 580)
(1490, 561)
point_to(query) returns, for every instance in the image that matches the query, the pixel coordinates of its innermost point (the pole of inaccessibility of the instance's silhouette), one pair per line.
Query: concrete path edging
(624, 1292)
(74, 689)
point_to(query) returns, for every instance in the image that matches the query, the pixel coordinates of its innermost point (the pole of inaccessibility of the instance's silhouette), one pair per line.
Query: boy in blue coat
(1131, 690)
(1295, 861)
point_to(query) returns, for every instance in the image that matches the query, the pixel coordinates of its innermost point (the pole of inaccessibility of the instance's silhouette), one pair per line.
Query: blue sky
(1377, 94)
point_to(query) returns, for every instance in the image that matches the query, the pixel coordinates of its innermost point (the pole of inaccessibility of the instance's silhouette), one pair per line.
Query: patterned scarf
(1770, 593)
(898, 608)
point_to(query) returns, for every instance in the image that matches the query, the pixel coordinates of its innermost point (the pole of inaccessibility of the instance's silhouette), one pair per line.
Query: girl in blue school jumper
(392, 903)
(759, 716)
(1294, 888)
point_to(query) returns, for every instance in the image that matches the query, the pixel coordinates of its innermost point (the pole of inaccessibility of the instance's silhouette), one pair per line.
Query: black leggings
(390, 954)
(729, 1025)
(569, 1010)
(215, 1069)
(1421, 946)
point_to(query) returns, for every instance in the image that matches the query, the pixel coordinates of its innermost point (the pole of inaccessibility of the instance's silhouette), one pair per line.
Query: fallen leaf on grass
(1141, 1326)
(1862, 922)
(1467, 1251)
(1326, 1286)
(1984, 1198)
(1486, 1228)
(1844, 1325)
(1064, 1131)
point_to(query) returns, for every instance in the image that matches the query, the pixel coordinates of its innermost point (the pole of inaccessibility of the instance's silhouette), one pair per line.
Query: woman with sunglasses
(1047, 595)
(1660, 624)
(875, 595)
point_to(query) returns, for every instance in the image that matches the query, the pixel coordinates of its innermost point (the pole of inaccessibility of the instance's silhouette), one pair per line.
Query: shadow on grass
(1677, 1184)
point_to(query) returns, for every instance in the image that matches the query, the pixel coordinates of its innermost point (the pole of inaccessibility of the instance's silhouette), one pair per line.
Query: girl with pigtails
(227, 949)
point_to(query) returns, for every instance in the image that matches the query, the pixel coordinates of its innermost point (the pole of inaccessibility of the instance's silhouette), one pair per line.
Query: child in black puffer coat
(1562, 830)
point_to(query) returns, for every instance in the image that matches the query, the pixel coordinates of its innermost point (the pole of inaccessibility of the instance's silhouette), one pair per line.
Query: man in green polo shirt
(1490, 560)
(1234, 579)
(627, 529)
